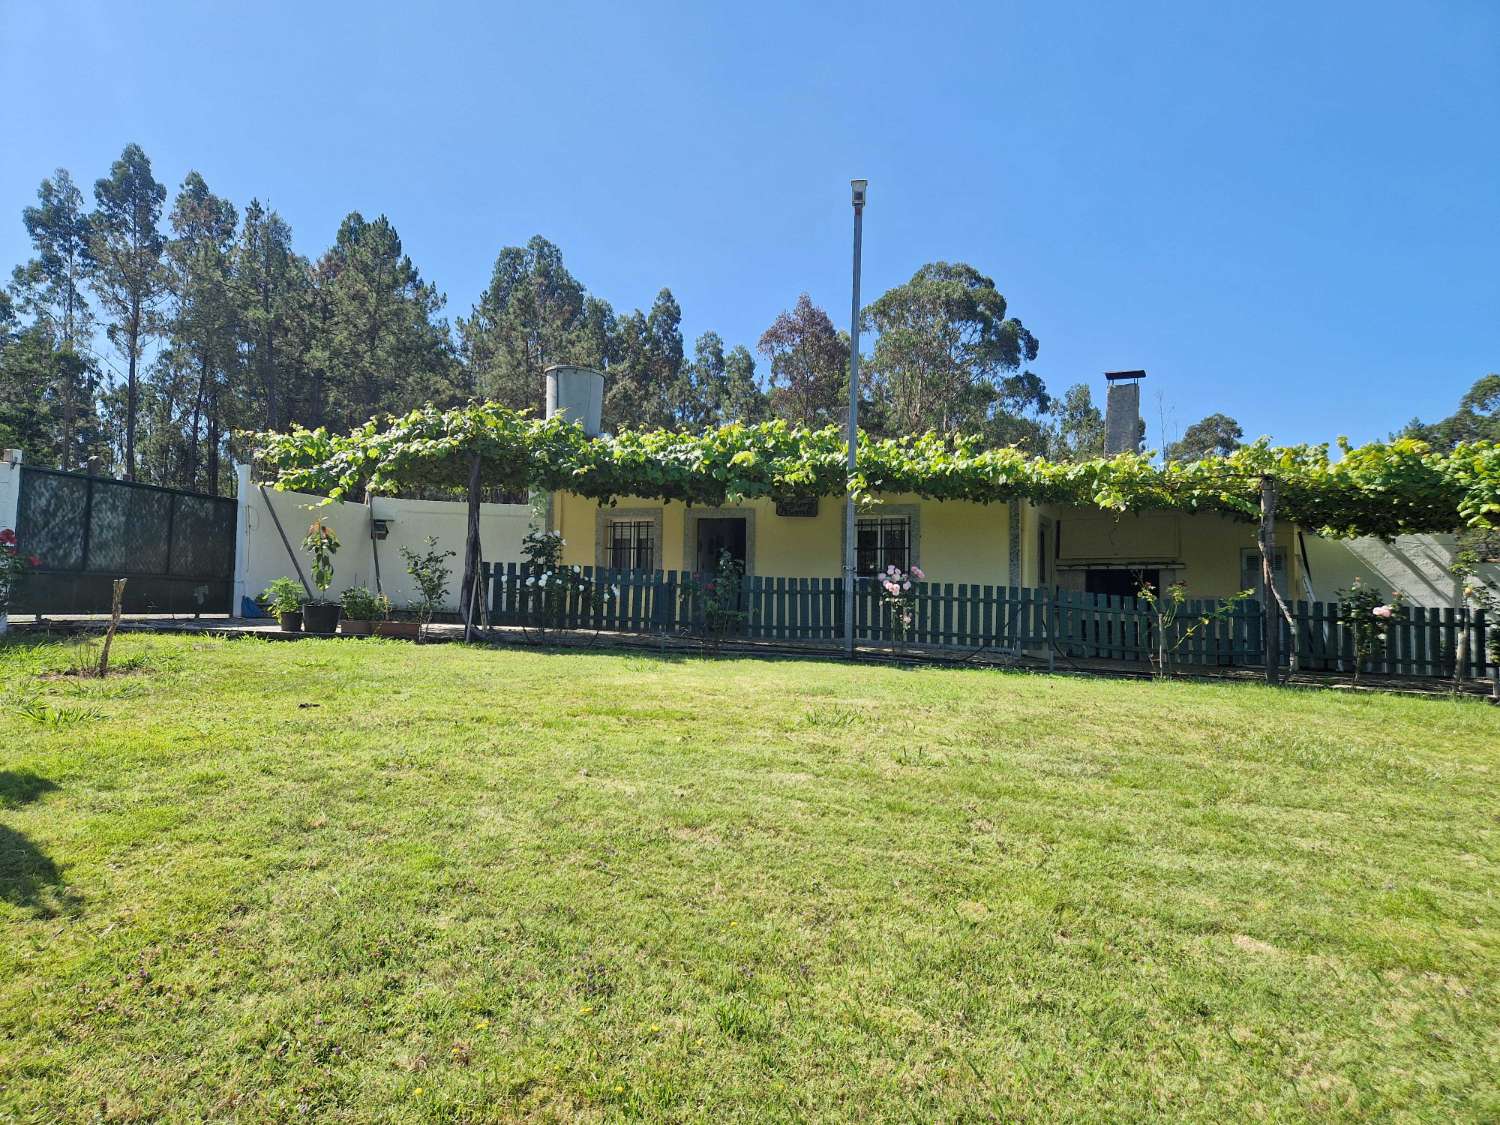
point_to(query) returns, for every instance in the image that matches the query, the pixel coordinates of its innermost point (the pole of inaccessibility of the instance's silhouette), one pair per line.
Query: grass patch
(474, 885)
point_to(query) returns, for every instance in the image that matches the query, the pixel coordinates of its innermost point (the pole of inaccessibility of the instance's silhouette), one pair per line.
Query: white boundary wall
(1415, 565)
(261, 556)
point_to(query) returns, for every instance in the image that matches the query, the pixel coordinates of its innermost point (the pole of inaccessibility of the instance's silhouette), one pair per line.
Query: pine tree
(719, 387)
(534, 314)
(272, 289)
(50, 287)
(127, 246)
(740, 399)
(204, 330)
(379, 346)
(645, 377)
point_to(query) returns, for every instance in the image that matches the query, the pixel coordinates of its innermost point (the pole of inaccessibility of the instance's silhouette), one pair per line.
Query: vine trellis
(1381, 489)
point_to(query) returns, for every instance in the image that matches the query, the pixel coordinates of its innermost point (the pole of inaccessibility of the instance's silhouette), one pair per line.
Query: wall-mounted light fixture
(379, 529)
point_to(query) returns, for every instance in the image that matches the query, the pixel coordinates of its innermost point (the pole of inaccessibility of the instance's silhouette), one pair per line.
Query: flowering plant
(553, 585)
(900, 596)
(714, 599)
(1366, 613)
(13, 566)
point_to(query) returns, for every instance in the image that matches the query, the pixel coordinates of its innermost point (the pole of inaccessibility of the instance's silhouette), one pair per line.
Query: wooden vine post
(1270, 618)
(117, 604)
(471, 550)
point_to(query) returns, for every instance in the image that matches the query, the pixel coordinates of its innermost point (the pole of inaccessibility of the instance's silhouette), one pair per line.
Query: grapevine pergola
(1381, 489)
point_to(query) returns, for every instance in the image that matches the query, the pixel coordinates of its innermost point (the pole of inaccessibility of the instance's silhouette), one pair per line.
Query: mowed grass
(370, 881)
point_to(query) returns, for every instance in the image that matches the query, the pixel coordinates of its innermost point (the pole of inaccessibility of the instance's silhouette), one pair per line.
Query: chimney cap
(1115, 376)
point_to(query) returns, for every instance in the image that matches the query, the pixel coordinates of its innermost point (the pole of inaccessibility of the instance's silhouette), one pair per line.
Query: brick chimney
(1122, 412)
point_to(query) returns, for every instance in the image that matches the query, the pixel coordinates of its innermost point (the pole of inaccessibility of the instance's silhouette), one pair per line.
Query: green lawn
(374, 881)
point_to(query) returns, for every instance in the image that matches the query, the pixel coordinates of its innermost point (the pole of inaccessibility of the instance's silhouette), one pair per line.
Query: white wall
(262, 556)
(1415, 565)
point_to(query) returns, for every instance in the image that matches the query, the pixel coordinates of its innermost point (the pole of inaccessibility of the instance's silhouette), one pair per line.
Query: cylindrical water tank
(577, 393)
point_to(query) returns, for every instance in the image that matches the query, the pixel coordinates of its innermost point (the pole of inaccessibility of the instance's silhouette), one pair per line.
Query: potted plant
(430, 571)
(362, 611)
(321, 615)
(13, 568)
(283, 600)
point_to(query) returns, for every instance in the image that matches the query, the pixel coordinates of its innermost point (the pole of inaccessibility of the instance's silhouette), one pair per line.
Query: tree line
(141, 338)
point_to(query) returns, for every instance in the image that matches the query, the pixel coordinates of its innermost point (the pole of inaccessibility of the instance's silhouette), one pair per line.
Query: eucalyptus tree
(948, 356)
(1476, 419)
(1077, 432)
(1214, 436)
(809, 362)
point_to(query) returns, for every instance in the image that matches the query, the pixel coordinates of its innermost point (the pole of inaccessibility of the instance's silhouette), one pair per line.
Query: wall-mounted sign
(797, 506)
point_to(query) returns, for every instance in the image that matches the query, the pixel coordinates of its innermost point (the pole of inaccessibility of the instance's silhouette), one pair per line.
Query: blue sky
(1288, 212)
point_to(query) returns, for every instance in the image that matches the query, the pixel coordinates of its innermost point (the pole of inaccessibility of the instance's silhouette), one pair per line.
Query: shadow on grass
(21, 787)
(28, 877)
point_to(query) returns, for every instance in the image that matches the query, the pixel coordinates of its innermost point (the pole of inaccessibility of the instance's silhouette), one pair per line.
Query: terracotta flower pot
(290, 622)
(409, 630)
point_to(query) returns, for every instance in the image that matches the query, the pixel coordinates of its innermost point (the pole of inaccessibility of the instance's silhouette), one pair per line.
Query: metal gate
(176, 547)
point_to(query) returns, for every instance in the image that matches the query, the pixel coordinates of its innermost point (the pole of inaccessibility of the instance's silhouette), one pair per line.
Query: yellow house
(1019, 544)
(952, 541)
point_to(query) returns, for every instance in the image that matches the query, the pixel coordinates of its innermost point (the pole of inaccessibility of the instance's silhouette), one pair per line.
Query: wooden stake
(114, 623)
(1270, 602)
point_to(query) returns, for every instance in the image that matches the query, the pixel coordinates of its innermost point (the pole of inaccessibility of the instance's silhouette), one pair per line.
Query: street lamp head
(859, 191)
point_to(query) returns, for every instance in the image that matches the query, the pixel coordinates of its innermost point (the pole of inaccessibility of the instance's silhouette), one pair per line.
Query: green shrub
(283, 596)
(361, 605)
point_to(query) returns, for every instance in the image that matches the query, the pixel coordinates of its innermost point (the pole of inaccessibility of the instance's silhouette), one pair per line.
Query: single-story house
(1010, 544)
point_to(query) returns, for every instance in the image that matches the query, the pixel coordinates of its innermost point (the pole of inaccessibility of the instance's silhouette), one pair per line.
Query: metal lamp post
(858, 187)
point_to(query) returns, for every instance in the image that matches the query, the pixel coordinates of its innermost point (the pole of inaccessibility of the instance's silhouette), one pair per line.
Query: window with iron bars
(632, 545)
(883, 542)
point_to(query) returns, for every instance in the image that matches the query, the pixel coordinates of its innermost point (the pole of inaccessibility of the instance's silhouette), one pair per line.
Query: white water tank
(577, 393)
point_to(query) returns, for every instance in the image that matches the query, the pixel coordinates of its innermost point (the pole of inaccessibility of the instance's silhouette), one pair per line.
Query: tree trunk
(1270, 609)
(192, 471)
(471, 551)
(132, 391)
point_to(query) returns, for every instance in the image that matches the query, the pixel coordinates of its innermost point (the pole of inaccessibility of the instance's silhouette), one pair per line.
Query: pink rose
(916, 572)
(1382, 610)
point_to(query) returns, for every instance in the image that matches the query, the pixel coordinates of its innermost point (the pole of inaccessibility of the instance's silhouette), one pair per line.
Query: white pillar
(10, 502)
(10, 486)
(242, 487)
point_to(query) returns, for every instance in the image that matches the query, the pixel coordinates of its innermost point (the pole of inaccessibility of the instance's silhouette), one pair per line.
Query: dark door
(1120, 582)
(717, 535)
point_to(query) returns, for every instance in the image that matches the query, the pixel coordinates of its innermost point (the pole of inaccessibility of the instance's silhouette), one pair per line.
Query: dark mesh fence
(128, 529)
(50, 520)
(203, 538)
(177, 548)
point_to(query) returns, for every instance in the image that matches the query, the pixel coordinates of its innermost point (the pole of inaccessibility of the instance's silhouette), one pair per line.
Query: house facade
(1017, 544)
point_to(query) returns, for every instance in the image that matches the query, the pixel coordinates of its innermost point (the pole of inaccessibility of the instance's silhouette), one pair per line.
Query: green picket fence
(1069, 624)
